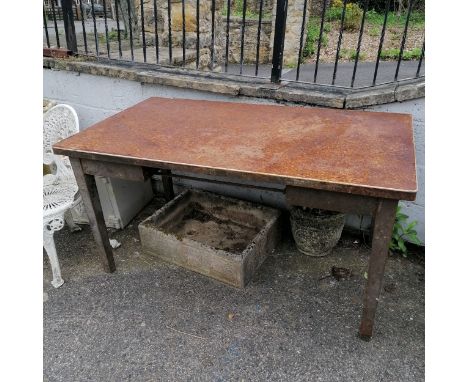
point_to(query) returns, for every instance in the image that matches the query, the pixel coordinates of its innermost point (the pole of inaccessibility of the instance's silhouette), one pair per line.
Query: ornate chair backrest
(59, 123)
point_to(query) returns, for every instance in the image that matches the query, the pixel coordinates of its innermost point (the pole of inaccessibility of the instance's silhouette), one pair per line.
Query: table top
(361, 152)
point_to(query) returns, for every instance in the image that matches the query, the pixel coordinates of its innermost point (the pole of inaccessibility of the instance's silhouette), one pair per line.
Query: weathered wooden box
(223, 238)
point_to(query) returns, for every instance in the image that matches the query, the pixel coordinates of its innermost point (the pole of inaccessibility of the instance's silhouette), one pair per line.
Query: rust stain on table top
(362, 152)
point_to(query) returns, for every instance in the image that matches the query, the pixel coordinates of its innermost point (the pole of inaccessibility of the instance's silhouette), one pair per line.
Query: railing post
(278, 44)
(69, 25)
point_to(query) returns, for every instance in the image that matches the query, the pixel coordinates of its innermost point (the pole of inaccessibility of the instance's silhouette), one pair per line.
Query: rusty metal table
(342, 160)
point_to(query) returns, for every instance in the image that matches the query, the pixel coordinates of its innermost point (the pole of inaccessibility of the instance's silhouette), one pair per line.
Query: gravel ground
(152, 321)
(369, 44)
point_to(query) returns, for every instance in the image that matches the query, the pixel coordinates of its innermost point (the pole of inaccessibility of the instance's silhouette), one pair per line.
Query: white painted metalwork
(59, 188)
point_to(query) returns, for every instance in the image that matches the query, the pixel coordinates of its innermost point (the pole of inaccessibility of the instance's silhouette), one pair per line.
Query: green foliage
(336, 4)
(112, 35)
(393, 20)
(334, 13)
(401, 231)
(374, 31)
(350, 54)
(392, 54)
(353, 15)
(412, 54)
(362, 55)
(238, 7)
(236, 10)
(380, 5)
(313, 34)
(389, 54)
(290, 65)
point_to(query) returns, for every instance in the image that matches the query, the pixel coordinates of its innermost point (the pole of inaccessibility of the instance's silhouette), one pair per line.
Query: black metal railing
(246, 38)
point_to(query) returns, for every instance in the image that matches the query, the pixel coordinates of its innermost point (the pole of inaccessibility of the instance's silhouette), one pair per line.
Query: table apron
(114, 170)
(295, 196)
(331, 200)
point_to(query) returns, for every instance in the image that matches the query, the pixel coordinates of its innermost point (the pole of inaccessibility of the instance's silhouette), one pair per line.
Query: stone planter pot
(316, 232)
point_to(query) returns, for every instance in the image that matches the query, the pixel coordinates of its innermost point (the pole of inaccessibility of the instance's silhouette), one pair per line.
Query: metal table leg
(382, 232)
(90, 196)
(167, 185)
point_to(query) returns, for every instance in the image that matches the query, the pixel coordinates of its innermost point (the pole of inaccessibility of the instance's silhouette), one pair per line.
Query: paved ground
(151, 321)
(364, 72)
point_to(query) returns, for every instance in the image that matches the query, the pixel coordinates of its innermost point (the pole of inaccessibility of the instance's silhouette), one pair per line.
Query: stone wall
(205, 22)
(254, 5)
(293, 31)
(292, 37)
(250, 40)
(316, 7)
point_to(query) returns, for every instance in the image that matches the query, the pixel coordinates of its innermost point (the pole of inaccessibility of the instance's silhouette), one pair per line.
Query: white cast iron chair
(59, 188)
